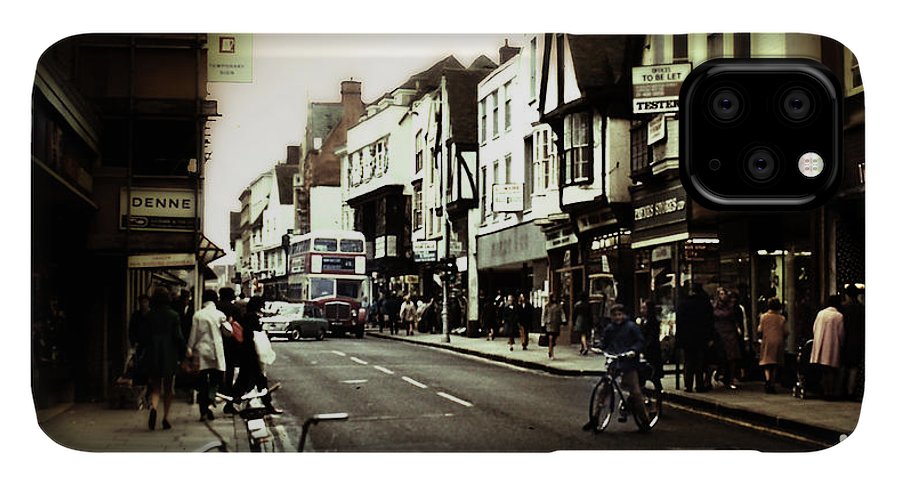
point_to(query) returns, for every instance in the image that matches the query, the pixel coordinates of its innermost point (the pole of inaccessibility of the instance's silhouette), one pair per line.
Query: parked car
(296, 321)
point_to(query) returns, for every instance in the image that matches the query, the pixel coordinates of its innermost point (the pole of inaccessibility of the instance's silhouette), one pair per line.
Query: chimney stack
(507, 52)
(351, 92)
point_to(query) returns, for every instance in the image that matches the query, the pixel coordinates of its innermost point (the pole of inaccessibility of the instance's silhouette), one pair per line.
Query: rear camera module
(797, 104)
(761, 165)
(725, 105)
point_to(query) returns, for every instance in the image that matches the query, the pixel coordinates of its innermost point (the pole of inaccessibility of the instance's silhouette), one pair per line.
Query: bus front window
(329, 245)
(351, 246)
(321, 287)
(348, 288)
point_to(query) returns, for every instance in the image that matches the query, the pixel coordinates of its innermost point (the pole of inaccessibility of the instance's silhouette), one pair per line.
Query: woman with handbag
(164, 348)
(250, 370)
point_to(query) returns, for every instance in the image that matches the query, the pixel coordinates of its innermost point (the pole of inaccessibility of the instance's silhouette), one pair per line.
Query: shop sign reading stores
(148, 209)
(663, 208)
(656, 88)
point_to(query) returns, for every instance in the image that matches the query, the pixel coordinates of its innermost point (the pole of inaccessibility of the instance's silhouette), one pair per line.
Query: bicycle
(252, 412)
(608, 396)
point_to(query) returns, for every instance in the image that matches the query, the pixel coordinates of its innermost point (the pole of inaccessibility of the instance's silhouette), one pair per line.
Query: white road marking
(382, 369)
(455, 399)
(338, 352)
(414, 382)
(359, 361)
(355, 381)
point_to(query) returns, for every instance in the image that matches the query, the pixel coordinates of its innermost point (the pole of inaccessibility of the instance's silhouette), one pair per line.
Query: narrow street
(403, 397)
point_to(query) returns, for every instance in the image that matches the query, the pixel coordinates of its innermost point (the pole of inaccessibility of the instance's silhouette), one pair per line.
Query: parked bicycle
(608, 397)
(252, 413)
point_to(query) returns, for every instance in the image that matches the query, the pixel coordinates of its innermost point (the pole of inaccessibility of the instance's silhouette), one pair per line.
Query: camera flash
(811, 164)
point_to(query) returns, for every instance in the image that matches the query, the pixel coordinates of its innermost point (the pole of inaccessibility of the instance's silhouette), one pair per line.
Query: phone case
(514, 189)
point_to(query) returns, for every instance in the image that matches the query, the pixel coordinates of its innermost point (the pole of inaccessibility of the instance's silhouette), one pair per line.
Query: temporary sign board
(151, 209)
(230, 58)
(656, 88)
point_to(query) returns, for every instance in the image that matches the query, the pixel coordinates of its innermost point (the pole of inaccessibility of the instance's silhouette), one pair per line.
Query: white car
(296, 321)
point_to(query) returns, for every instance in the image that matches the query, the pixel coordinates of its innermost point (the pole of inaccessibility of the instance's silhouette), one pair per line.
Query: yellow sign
(230, 58)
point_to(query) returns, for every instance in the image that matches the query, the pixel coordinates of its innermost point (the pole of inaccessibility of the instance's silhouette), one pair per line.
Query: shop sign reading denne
(157, 209)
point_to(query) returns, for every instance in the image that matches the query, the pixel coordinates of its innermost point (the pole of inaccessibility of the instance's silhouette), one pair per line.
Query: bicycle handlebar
(252, 394)
(626, 355)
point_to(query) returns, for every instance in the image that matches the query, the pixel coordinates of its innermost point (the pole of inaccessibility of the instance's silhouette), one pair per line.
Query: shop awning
(207, 251)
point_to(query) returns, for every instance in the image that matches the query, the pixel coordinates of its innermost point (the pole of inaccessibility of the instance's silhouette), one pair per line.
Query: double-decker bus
(328, 268)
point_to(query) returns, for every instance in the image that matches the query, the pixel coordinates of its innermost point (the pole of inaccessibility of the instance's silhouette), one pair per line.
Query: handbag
(544, 340)
(263, 347)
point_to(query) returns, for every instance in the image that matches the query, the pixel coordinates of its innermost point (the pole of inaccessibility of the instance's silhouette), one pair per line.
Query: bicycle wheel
(652, 392)
(601, 406)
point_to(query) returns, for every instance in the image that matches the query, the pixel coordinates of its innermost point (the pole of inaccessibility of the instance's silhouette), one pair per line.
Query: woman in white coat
(206, 347)
(828, 339)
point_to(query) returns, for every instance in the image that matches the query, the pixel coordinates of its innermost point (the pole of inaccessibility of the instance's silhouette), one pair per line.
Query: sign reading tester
(656, 88)
(146, 209)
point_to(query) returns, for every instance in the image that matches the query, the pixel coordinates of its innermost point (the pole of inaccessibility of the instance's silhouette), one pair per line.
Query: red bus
(328, 268)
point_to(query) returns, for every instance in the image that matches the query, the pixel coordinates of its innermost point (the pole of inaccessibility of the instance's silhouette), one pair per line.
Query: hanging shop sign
(230, 58)
(150, 209)
(656, 88)
(656, 129)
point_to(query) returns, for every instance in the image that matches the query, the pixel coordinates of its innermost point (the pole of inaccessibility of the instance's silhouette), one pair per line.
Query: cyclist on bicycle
(624, 338)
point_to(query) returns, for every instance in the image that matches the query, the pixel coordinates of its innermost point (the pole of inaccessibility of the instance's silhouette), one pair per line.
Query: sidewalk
(813, 419)
(96, 427)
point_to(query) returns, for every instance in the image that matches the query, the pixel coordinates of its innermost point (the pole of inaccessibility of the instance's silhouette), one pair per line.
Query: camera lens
(762, 165)
(797, 105)
(725, 105)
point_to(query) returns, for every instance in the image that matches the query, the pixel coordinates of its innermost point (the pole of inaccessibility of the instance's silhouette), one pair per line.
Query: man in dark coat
(225, 304)
(509, 314)
(694, 324)
(854, 339)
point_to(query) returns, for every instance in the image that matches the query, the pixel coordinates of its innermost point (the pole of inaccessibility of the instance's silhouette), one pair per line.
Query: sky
(260, 119)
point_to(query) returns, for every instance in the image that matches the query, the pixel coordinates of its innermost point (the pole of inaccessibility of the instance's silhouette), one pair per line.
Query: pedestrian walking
(772, 334)
(583, 321)
(649, 325)
(408, 315)
(854, 340)
(694, 330)
(828, 338)
(509, 314)
(250, 371)
(553, 317)
(489, 318)
(526, 316)
(392, 313)
(164, 348)
(206, 345)
(728, 338)
(226, 305)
